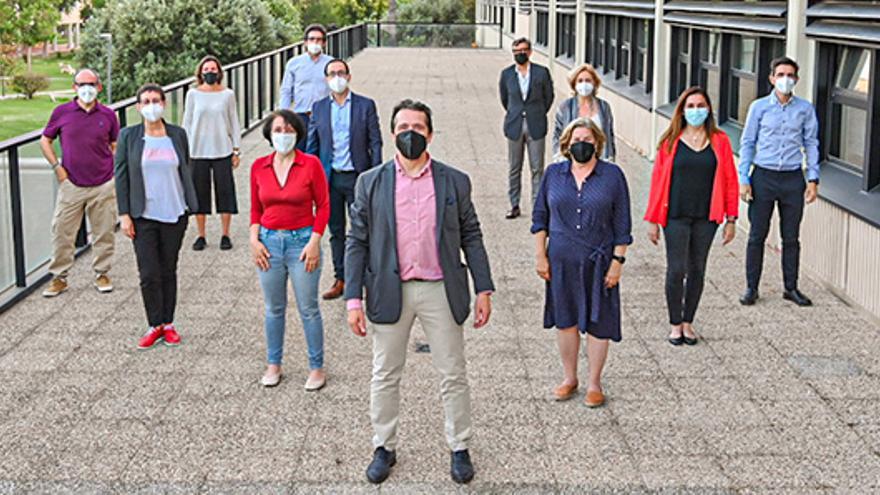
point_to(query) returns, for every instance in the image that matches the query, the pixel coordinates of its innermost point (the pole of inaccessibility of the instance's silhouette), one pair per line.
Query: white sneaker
(270, 379)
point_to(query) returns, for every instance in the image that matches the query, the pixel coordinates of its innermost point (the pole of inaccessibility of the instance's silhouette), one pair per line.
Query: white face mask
(283, 142)
(87, 93)
(785, 84)
(314, 48)
(584, 88)
(338, 84)
(152, 112)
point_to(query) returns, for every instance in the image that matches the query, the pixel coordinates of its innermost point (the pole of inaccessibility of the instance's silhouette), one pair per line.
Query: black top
(693, 174)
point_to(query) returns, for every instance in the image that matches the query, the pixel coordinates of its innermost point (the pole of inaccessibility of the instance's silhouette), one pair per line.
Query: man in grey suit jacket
(410, 222)
(526, 91)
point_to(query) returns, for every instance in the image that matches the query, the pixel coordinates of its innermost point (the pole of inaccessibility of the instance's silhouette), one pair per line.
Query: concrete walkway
(775, 398)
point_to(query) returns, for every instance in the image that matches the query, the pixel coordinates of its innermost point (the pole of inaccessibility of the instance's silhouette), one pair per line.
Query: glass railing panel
(7, 244)
(39, 188)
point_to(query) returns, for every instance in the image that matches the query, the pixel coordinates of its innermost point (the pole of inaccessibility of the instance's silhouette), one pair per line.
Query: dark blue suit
(365, 146)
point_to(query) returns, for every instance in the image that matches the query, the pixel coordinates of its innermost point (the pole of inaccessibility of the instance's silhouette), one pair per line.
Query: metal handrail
(257, 101)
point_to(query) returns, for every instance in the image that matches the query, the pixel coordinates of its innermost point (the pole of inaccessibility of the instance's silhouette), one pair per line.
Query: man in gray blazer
(526, 91)
(411, 219)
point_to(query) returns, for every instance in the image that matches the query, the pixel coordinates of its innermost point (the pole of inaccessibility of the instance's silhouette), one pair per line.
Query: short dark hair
(205, 60)
(292, 119)
(520, 41)
(315, 27)
(150, 88)
(776, 62)
(418, 106)
(343, 62)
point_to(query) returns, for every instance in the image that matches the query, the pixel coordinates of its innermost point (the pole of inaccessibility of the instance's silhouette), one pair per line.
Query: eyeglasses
(87, 84)
(517, 52)
(315, 38)
(337, 73)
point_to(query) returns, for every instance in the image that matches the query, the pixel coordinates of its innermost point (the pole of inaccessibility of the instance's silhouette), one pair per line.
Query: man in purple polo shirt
(88, 132)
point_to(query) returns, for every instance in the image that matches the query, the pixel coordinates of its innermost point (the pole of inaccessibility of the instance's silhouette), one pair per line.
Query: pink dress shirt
(415, 213)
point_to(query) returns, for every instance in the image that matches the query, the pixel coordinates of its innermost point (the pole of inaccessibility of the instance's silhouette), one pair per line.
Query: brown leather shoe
(565, 392)
(335, 292)
(594, 399)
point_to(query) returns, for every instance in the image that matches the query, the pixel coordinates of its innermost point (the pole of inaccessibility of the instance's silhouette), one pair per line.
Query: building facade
(648, 51)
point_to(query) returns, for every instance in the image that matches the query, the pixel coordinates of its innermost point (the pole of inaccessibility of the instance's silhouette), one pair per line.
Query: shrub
(29, 83)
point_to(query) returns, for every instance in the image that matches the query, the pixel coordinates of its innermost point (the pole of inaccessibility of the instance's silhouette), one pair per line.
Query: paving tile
(688, 472)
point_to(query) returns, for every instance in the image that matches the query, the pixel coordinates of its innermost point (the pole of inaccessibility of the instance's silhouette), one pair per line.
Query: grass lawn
(50, 66)
(19, 116)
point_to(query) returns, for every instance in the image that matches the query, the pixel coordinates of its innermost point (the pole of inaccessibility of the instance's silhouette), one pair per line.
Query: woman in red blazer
(693, 190)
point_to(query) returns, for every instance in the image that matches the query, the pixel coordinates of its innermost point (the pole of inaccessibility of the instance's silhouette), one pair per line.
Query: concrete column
(551, 36)
(798, 47)
(580, 26)
(661, 77)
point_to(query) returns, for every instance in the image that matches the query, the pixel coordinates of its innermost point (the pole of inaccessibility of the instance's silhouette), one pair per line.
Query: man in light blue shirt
(303, 83)
(344, 133)
(781, 132)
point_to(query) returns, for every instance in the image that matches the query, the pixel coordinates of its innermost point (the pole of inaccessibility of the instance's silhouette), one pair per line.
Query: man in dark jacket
(526, 91)
(410, 222)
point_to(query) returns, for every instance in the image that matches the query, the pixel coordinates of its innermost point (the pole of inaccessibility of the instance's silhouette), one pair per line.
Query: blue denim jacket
(777, 137)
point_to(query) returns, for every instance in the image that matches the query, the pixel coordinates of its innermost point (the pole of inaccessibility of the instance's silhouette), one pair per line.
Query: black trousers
(156, 247)
(224, 185)
(784, 190)
(341, 198)
(303, 140)
(688, 242)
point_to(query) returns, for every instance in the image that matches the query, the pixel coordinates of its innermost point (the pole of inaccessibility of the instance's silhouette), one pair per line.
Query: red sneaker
(172, 338)
(150, 338)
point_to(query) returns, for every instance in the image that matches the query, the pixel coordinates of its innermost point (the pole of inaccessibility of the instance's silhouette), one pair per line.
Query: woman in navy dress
(582, 226)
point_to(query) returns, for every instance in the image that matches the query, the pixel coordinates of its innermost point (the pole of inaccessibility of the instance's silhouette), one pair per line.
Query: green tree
(433, 12)
(162, 40)
(29, 22)
(10, 65)
(348, 12)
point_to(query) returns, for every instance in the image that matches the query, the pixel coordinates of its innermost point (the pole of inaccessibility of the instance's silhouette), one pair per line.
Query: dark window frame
(542, 32)
(566, 35)
(613, 50)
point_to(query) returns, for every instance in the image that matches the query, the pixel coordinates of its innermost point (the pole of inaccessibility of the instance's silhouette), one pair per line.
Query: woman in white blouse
(211, 123)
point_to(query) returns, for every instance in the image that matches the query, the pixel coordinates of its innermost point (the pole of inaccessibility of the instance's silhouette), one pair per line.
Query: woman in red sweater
(290, 207)
(693, 190)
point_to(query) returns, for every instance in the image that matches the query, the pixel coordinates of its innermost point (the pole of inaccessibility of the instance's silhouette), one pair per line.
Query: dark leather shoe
(749, 297)
(225, 243)
(200, 244)
(797, 297)
(676, 340)
(513, 213)
(380, 467)
(335, 292)
(462, 470)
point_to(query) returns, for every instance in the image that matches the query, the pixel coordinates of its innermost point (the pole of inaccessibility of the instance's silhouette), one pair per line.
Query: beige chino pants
(99, 204)
(427, 302)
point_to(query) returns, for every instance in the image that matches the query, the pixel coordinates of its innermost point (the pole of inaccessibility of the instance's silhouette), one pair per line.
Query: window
(565, 35)
(643, 38)
(621, 49)
(611, 57)
(733, 68)
(743, 77)
(512, 24)
(542, 35)
(625, 42)
(849, 107)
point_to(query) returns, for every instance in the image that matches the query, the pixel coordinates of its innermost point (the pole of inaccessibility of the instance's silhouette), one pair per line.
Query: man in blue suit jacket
(344, 133)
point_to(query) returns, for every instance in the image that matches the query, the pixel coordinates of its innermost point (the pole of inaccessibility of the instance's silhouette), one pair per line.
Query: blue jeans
(285, 247)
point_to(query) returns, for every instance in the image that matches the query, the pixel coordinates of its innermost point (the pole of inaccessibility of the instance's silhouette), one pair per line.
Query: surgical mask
(584, 88)
(283, 142)
(211, 77)
(521, 58)
(582, 151)
(411, 144)
(338, 84)
(152, 112)
(314, 48)
(696, 116)
(785, 84)
(87, 93)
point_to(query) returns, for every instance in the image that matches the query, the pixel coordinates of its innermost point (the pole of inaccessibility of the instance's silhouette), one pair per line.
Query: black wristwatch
(619, 259)
(814, 181)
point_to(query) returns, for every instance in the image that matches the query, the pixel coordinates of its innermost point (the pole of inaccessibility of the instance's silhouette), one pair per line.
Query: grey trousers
(427, 302)
(515, 155)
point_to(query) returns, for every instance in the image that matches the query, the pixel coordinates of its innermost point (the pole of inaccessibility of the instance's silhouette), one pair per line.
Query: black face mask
(582, 151)
(521, 58)
(211, 77)
(411, 144)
